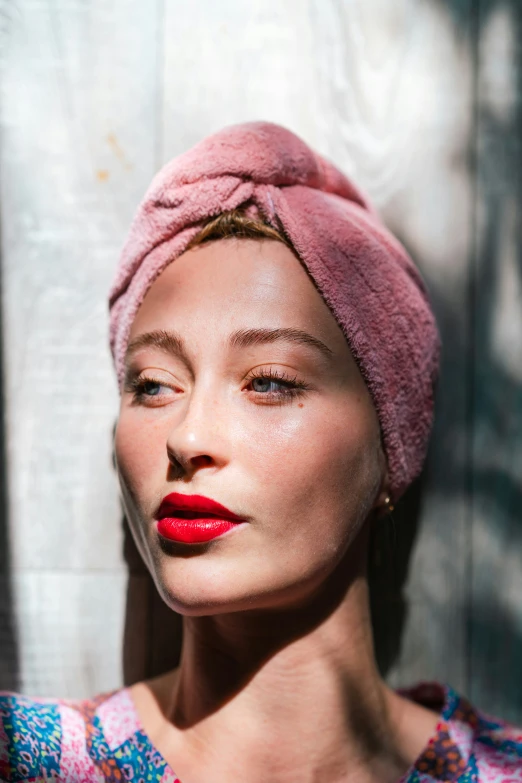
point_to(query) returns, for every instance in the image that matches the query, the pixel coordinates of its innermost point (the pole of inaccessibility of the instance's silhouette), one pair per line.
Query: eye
(149, 391)
(151, 388)
(265, 385)
(275, 385)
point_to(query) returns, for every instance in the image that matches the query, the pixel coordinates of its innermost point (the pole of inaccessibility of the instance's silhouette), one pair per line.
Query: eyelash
(292, 386)
(137, 388)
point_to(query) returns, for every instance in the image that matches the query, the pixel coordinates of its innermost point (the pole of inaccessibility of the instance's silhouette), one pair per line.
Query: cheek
(139, 448)
(324, 460)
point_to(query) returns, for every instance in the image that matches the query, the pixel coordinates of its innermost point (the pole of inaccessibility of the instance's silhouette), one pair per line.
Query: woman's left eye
(276, 385)
(265, 385)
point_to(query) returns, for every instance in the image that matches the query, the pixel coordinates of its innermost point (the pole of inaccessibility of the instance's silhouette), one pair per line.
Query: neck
(257, 688)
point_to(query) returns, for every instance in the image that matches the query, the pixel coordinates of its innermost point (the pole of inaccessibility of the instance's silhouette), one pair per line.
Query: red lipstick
(193, 519)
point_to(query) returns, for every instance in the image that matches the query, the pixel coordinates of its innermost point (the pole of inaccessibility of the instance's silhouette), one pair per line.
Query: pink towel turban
(363, 273)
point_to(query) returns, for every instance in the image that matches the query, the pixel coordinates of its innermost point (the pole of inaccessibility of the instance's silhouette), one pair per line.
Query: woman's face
(240, 406)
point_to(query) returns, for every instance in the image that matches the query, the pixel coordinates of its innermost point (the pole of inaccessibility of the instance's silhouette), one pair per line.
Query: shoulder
(494, 745)
(468, 742)
(30, 736)
(44, 738)
(497, 749)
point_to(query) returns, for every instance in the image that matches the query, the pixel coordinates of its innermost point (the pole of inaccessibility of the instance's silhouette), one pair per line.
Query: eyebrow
(173, 343)
(244, 338)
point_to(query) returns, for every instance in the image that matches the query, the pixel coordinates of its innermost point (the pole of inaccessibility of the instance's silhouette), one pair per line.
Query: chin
(189, 601)
(194, 588)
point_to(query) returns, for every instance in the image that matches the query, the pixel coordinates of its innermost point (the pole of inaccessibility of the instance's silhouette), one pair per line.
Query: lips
(193, 519)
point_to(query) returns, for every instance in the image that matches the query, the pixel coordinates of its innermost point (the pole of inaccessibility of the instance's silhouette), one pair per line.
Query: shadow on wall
(9, 650)
(495, 415)
(492, 316)
(9, 661)
(496, 483)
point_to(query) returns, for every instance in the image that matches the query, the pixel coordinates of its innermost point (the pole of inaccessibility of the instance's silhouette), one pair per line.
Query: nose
(197, 438)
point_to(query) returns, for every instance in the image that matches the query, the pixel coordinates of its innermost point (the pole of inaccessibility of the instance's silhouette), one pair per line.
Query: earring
(388, 504)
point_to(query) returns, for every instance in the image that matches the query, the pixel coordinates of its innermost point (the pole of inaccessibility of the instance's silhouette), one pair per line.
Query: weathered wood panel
(70, 630)
(79, 127)
(496, 459)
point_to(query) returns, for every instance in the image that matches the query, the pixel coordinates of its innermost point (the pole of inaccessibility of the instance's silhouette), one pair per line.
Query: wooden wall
(420, 101)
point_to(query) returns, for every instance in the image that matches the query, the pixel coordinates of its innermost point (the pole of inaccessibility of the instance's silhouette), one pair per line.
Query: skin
(277, 646)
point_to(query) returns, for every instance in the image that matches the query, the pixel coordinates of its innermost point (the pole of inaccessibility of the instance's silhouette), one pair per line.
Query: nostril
(201, 460)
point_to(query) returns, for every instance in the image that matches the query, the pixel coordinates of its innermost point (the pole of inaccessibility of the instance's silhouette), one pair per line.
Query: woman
(276, 355)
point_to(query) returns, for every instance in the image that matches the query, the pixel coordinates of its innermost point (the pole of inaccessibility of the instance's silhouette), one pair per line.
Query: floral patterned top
(101, 740)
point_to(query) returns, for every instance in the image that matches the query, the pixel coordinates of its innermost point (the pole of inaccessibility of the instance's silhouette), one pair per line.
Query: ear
(382, 504)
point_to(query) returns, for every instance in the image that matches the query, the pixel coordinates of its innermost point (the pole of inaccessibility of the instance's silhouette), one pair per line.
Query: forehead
(236, 283)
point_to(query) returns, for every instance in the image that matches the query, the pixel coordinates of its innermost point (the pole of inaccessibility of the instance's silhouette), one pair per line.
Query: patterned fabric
(101, 740)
